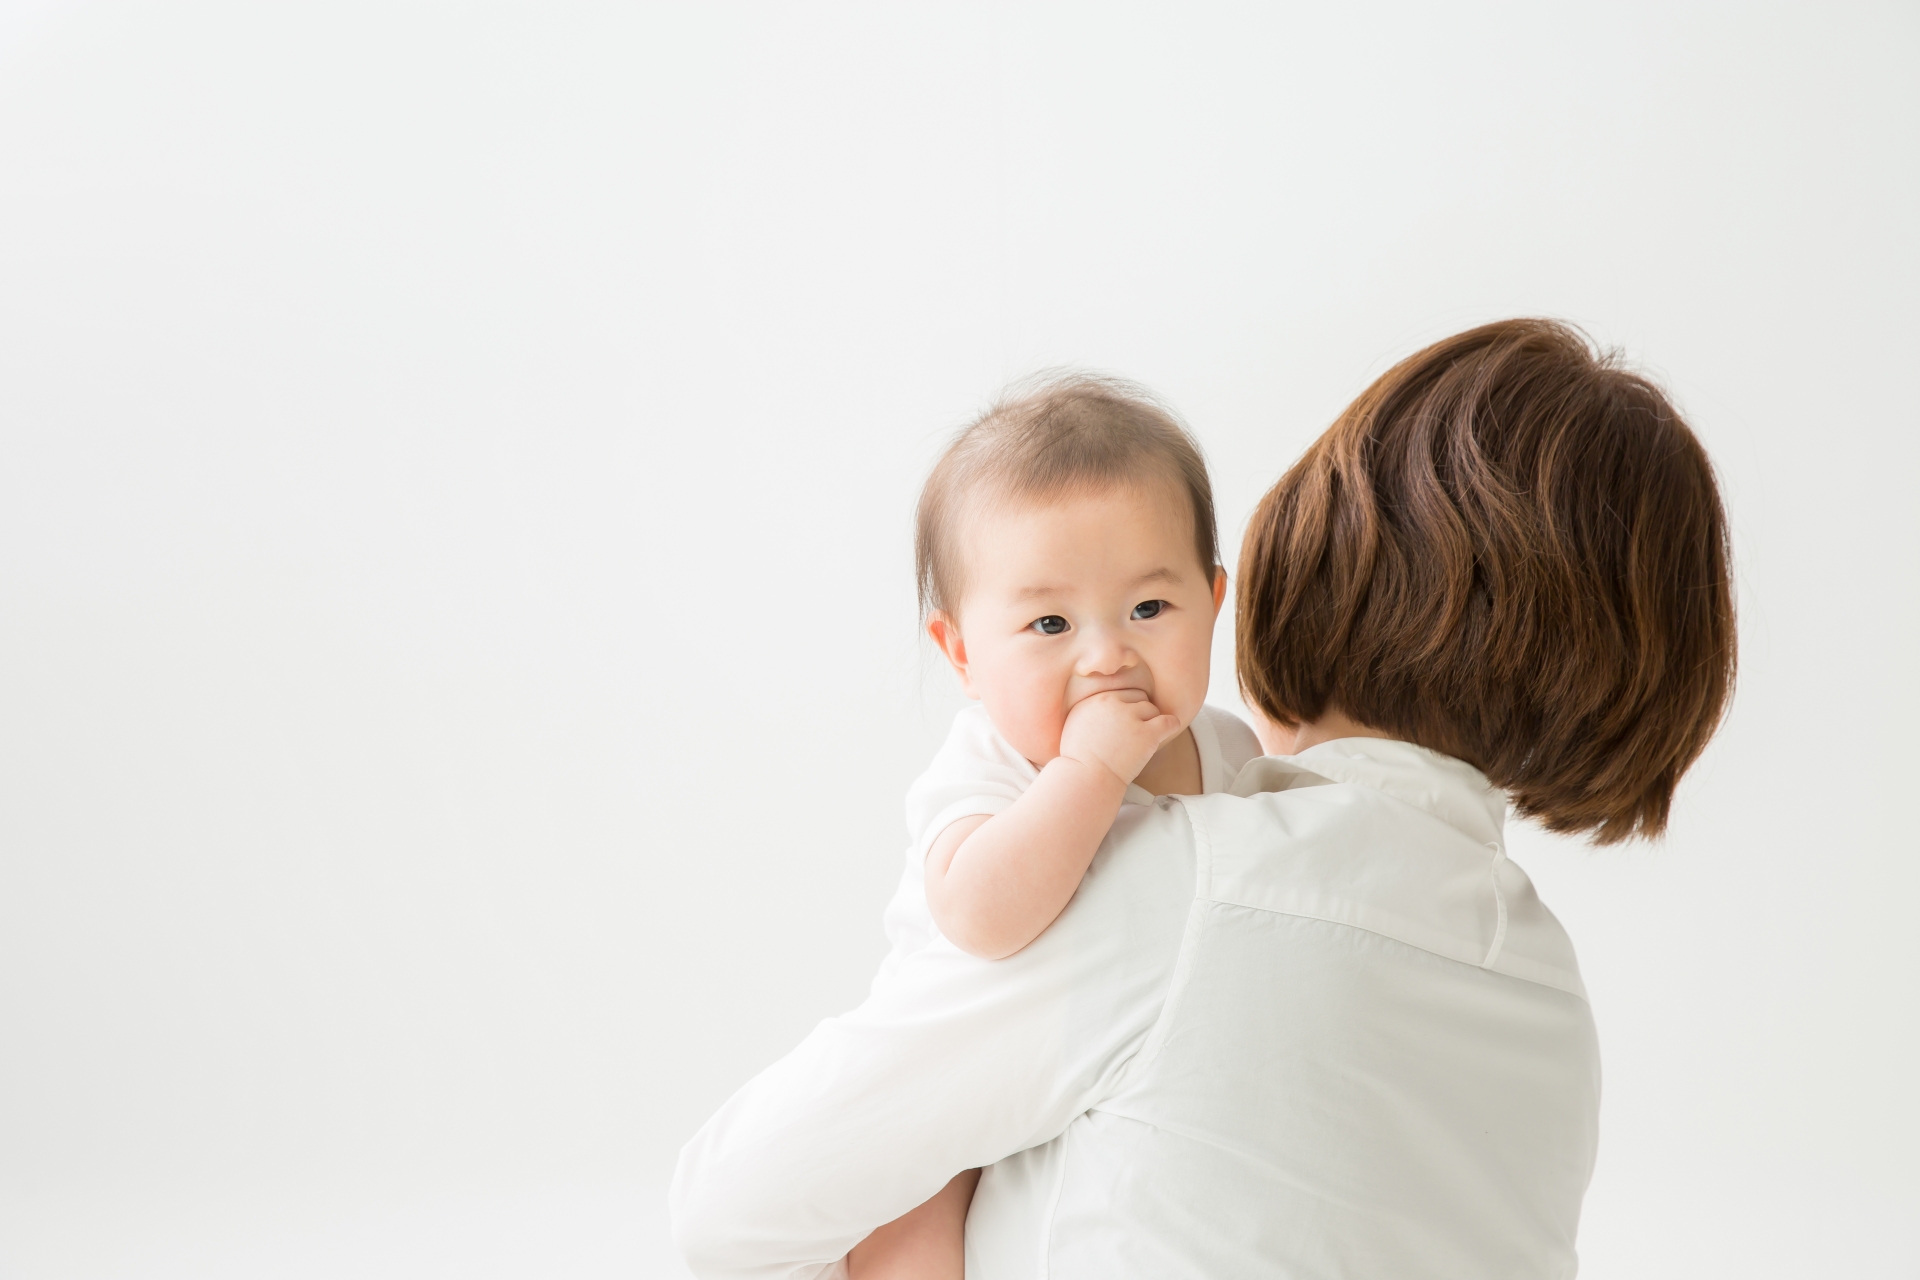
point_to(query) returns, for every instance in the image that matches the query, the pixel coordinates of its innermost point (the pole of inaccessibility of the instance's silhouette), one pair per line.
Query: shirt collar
(1452, 790)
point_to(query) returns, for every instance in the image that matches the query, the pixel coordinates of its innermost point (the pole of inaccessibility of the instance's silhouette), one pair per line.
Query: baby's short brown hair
(1509, 549)
(1055, 434)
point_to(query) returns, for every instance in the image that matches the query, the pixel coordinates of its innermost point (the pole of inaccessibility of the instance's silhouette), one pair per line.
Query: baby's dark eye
(1051, 625)
(1148, 609)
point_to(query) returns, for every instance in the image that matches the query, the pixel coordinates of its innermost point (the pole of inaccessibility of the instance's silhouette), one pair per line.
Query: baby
(1069, 572)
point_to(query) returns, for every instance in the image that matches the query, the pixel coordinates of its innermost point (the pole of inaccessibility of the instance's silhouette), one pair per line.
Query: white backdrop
(458, 667)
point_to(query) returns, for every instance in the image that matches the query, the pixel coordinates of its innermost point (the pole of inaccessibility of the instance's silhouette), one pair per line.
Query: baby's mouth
(1095, 688)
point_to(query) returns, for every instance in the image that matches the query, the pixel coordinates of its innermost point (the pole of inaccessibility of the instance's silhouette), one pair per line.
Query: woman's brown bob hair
(1511, 550)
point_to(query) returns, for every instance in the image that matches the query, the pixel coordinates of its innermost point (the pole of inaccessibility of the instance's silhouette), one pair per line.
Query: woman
(1319, 1026)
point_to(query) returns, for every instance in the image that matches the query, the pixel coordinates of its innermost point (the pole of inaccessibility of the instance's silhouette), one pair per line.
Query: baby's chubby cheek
(1030, 722)
(1181, 687)
(1035, 733)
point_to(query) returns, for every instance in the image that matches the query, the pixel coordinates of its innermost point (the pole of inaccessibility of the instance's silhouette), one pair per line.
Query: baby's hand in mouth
(1119, 731)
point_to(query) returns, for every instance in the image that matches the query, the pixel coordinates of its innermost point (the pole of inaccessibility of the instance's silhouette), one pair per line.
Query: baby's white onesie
(978, 771)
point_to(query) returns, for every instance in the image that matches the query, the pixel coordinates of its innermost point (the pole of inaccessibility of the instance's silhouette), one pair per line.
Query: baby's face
(1078, 595)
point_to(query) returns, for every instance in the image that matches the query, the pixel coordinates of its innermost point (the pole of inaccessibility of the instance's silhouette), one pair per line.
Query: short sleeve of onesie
(976, 771)
(1226, 744)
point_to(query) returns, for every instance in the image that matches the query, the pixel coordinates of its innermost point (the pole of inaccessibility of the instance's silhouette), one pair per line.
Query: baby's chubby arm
(927, 1243)
(995, 883)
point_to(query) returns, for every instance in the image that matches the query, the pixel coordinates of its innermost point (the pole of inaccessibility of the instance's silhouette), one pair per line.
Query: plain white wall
(458, 668)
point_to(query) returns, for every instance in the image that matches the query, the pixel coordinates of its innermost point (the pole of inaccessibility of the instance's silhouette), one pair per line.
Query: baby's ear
(953, 646)
(1219, 588)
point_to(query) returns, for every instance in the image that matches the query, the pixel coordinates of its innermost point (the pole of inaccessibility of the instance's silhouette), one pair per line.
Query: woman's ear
(1219, 588)
(946, 634)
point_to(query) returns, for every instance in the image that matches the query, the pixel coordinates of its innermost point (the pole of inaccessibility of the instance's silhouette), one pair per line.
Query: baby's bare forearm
(1000, 883)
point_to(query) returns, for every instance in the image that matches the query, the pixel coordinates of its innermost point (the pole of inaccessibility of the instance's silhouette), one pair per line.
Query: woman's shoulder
(1387, 837)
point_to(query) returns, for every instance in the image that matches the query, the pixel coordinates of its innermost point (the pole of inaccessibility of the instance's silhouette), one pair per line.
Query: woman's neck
(1279, 740)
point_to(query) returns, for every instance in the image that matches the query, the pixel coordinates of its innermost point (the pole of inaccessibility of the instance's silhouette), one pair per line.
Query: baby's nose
(1106, 656)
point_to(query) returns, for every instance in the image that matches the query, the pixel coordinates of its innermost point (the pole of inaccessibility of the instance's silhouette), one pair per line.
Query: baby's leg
(928, 1243)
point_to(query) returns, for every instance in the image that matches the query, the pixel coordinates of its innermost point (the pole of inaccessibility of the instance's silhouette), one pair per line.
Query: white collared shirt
(1319, 1026)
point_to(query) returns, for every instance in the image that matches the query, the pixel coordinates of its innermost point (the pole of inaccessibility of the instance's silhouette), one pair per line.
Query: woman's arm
(951, 1064)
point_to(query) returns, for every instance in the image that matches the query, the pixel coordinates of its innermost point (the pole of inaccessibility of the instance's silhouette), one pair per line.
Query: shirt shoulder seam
(1569, 985)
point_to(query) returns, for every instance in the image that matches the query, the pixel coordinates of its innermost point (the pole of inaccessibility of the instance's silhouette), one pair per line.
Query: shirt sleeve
(975, 771)
(952, 1064)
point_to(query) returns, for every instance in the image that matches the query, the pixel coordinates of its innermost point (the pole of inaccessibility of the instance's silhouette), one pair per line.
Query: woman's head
(1511, 550)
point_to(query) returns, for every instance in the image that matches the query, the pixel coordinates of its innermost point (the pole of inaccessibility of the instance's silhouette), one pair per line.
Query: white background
(458, 668)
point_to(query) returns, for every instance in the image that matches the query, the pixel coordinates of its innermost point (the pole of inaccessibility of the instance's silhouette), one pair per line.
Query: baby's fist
(1118, 731)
